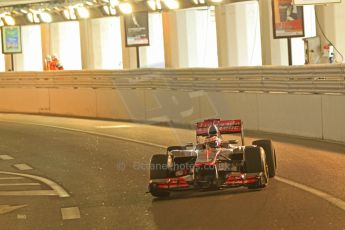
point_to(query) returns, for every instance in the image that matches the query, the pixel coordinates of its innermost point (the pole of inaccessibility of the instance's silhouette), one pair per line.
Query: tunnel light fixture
(197, 2)
(9, 20)
(33, 18)
(24, 11)
(152, 4)
(172, 4)
(216, 1)
(89, 3)
(83, 12)
(30, 17)
(108, 10)
(66, 14)
(159, 4)
(69, 14)
(45, 17)
(125, 8)
(114, 3)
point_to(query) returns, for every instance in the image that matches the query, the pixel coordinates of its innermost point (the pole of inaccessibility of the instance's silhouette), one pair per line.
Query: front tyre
(255, 162)
(267, 145)
(158, 170)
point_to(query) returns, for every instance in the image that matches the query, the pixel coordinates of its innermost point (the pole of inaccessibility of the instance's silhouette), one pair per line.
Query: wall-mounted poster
(137, 29)
(287, 19)
(11, 39)
(315, 2)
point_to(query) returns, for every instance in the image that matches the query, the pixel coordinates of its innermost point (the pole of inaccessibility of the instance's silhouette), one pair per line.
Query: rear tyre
(255, 162)
(158, 170)
(270, 155)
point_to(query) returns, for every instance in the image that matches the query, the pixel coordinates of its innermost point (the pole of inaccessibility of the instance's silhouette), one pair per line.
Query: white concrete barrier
(315, 115)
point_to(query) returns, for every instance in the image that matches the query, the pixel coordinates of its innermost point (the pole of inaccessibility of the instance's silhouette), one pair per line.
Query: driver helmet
(213, 131)
(213, 140)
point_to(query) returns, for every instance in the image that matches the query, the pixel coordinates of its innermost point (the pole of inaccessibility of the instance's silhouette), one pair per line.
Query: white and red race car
(213, 163)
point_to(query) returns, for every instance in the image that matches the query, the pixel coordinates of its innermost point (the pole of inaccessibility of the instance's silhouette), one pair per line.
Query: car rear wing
(224, 126)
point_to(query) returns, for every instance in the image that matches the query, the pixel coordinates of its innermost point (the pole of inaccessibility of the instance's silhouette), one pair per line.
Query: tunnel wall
(316, 116)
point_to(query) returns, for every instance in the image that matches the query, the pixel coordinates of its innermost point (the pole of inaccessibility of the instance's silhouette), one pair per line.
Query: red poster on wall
(288, 21)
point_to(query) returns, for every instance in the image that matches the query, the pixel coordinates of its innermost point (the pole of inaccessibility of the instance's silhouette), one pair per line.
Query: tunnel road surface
(64, 173)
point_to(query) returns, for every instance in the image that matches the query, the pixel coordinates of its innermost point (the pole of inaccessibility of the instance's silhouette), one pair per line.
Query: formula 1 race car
(213, 163)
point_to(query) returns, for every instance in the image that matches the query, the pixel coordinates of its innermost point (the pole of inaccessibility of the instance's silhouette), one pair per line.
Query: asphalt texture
(107, 181)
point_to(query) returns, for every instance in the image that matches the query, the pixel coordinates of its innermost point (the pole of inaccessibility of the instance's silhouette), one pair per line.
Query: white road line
(113, 126)
(8, 208)
(20, 184)
(29, 193)
(12, 178)
(23, 167)
(91, 132)
(6, 157)
(333, 200)
(58, 190)
(325, 196)
(70, 213)
(21, 217)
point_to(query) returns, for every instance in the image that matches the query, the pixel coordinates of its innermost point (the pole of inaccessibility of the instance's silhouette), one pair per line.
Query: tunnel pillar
(8, 62)
(86, 36)
(238, 34)
(274, 51)
(46, 45)
(171, 47)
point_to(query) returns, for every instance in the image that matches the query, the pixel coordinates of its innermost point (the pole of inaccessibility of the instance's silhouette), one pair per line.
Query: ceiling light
(114, 3)
(72, 14)
(172, 4)
(23, 11)
(66, 14)
(46, 17)
(152, 4)
(112, 10)
(9, 20)
(69, 14)
(125, 8)
(108, 10)
(30, 17)
(83, 12)
(33, 18)
(159, 4)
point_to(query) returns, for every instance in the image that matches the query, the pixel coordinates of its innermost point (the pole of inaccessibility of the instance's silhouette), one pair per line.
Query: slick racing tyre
(158, 170)
(270, 155)
(255, 162)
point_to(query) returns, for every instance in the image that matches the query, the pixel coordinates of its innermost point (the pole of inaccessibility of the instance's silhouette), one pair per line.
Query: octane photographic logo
(122, 166)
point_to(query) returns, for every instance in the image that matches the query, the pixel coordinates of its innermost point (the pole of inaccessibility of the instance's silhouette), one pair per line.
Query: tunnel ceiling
(19, 2)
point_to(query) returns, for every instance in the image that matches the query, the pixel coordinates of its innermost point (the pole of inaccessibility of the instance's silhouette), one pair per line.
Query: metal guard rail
(313, 79)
